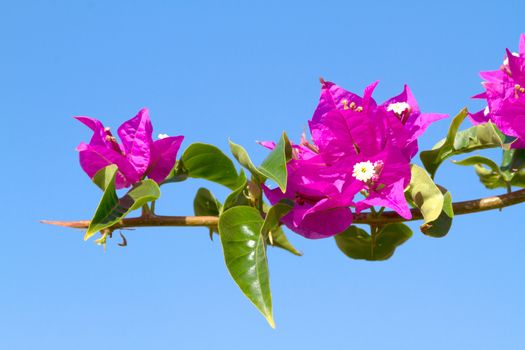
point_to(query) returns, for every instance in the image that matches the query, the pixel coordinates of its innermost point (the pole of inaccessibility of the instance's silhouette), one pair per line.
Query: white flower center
(364, 171)
(486, 111)
(162, 136)
(398, 107)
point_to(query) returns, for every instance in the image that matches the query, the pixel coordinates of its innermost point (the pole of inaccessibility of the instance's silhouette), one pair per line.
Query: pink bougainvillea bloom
(404, 107)
(378, 140)
(334, 98)
(385, 181)
(367, 150)
(320, 208)
(505, 94)
(359, 147)
(138, 155)
(411, 123)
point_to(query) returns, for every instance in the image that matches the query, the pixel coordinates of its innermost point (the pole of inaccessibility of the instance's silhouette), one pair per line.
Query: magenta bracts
(505, 96)
(136, 157)
(360, 157)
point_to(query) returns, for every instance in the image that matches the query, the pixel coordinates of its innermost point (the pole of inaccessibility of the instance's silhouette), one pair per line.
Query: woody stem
(460, 208)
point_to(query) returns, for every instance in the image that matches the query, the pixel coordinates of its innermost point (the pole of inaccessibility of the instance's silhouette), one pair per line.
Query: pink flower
(404, 107)
(405, 122)
(320, 207)
(365, 149)
(136, 157)
(505, 95)
(358, 148)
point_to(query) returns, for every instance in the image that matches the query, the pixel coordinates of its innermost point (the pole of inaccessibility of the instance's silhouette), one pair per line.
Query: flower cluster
(505, 95)
(136, 157)
(360, 157)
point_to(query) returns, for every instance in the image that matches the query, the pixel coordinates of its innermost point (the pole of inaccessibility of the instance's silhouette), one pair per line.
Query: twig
(460, 208)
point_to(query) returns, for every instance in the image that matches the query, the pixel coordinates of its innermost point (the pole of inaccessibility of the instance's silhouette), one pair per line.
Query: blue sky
(245, 71)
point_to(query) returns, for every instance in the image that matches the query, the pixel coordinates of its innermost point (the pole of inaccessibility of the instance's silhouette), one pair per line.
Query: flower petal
(94, 158)
(163, 157)
(516, 65)
(390, 197)
(99, 133)
(419, 124)
(479, 117)
(323, 220)
(334, 97)
(267, 144)
(368, 101)
(493, 76)
(137, 141)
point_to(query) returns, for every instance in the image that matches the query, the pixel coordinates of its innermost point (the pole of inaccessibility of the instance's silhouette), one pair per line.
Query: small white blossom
(364, 171)
(486, 111)
(398, 107)
(162, 136)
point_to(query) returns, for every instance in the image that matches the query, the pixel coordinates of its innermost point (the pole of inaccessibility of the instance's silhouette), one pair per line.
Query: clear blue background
(248, 71)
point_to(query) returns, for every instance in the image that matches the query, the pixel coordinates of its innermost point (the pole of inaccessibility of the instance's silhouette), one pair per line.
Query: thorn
(270, 237)
(124, 241)
(211, 234)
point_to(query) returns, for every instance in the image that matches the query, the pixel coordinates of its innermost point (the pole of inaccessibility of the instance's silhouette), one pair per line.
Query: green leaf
(510, 173)
(274, 165)
(475, 138)
(177, 174)
(205, 203)
(207, 162)
(489, 178)
(111, 209)
(281, 241)
(435, 207)
(478, 160)
(237, 197)
(245, 256)
(104, 176)
(356, 243)
(492, 180)
(518, 179)
(244, 159)
(478, 137)
(492, 177)
(274, 215)
(440, 226)
(425, 194)
(513, 160)
(390, 237)
(513, 166)
(271, 227)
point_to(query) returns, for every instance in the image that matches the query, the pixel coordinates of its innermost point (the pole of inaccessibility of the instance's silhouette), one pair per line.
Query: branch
(460, 208)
